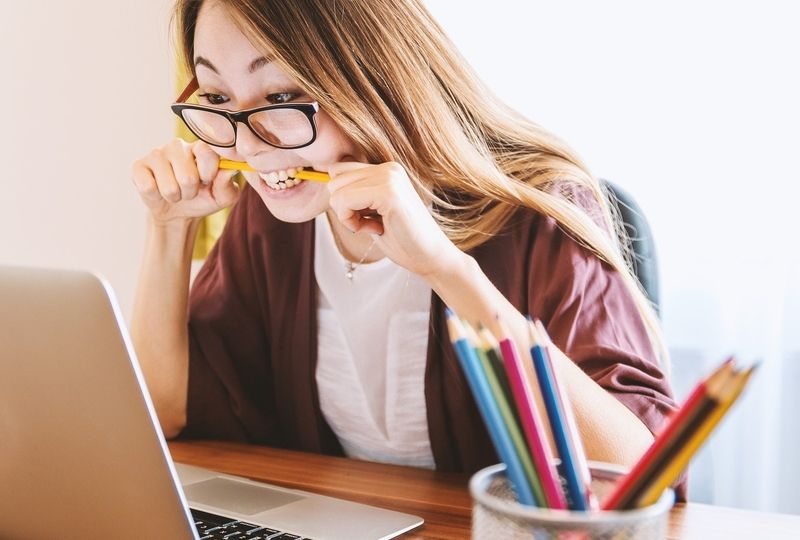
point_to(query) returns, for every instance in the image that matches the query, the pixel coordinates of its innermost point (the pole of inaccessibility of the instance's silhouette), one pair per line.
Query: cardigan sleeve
(229, 394)
(592, 317)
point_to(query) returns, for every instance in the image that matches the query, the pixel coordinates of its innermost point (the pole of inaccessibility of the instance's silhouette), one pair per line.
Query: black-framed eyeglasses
(284, 125)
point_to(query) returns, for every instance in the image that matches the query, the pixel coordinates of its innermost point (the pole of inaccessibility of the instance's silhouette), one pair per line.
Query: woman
(317, 321)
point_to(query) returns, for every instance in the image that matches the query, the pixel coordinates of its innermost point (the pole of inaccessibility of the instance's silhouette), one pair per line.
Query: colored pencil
(572, 425)
(490, 411)
(727, 396)
(523, 390)
(575, 488)
(492, 351)
(510, 421)
(302, 174)
(626, 489)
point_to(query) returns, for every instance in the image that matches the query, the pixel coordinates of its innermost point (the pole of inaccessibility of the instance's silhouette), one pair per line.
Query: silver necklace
(350, 267)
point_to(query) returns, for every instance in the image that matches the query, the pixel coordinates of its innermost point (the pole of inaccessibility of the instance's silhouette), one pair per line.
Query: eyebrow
(255, 65)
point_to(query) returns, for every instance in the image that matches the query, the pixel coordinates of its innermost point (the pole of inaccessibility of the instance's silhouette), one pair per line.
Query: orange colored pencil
(680, 461)
(626, 489)
(302, 174)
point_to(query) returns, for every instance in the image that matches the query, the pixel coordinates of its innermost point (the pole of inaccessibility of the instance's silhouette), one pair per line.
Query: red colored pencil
(629, 485)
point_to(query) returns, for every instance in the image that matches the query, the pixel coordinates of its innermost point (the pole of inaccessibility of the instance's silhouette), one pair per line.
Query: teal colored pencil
(487, 406)
(491, 348)
(511, 423)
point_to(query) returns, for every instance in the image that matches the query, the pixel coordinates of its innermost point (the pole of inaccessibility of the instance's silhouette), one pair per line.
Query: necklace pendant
(349, 267)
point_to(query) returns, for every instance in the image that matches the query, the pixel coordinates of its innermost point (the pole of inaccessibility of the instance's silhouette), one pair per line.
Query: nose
(247, 144)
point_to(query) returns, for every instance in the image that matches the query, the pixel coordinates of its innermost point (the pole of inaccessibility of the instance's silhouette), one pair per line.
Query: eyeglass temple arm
(188, 91)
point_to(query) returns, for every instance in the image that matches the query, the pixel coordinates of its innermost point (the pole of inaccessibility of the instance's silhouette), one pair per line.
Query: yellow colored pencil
(682, 458)
(302, 174)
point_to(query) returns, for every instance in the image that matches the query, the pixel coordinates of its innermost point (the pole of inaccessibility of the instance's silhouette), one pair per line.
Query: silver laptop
(81, 451)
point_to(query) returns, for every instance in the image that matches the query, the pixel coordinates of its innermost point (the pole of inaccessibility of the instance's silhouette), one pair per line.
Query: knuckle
(137, 169)
(149, 191)
(172, 194)
(188, 180)
(199, 147)
(175, 144)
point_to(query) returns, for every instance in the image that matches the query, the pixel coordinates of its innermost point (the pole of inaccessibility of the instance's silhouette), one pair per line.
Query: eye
(213, 99)
(283, 97)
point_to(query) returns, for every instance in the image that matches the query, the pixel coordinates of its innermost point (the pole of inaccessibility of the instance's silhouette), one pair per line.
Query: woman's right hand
(182, 181)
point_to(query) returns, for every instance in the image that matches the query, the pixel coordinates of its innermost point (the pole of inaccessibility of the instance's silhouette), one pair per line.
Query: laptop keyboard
(214, 527)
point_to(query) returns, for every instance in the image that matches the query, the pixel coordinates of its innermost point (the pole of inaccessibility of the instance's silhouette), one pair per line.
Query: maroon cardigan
(253, 336)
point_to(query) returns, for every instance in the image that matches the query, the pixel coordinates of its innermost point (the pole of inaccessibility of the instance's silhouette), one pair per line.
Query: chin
(290, 215)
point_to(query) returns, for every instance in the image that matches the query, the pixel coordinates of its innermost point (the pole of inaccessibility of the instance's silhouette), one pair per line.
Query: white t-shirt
(372, 350)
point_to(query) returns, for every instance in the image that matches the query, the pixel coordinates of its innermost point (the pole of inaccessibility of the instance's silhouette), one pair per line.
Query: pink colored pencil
(522, 389)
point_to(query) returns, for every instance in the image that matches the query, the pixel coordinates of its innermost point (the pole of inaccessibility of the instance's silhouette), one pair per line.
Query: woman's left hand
(381, 200)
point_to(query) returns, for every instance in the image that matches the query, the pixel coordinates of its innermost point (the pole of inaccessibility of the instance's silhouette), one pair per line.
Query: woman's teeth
(279, 180)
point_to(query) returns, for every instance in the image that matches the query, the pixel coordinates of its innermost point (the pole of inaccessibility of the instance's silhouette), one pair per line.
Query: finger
(340, 167)
(364, 177)
(370, 225)
(223, 189)
(168, 186)
(185, 171)
(207, 161)
(145, 182)
(347, 172)
(354, 205)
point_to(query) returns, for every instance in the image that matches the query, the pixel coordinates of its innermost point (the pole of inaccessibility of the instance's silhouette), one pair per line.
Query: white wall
(85, 89)
(692, 105)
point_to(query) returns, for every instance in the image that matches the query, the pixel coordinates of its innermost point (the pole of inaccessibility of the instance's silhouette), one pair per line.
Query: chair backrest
(645, 263)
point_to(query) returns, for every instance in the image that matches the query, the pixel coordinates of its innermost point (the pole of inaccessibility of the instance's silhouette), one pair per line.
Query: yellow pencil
(302, 174)
(682, 458)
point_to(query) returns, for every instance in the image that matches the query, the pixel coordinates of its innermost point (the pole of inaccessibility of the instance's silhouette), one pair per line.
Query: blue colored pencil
(569, 417)
(489, 410)
(575, 487)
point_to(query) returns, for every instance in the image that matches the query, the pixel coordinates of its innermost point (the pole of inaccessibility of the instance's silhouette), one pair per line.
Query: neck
(353, 246)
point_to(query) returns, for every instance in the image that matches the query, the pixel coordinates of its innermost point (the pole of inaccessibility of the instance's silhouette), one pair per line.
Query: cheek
(331, 144)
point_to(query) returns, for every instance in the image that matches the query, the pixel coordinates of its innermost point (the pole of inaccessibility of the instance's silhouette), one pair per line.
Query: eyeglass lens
(281, 127)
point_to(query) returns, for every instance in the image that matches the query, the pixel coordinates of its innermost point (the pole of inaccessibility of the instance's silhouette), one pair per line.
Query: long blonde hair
(386, 72)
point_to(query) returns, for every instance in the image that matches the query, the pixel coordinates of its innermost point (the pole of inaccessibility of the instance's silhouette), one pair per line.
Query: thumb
(224, 189)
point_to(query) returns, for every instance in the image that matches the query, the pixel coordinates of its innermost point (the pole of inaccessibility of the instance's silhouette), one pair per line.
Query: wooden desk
(441, 499)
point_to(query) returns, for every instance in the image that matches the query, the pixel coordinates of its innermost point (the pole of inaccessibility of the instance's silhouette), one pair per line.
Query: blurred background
(690, 106)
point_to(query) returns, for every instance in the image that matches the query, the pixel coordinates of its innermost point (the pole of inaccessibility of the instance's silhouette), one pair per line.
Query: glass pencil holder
(497, 514)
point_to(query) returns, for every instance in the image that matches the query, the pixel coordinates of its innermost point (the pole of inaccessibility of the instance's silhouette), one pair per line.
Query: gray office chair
(645, 264)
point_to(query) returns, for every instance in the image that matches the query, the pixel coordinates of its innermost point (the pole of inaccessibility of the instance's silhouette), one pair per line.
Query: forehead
(218, 39)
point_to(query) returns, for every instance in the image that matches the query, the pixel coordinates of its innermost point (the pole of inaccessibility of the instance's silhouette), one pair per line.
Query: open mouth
(281, 180)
